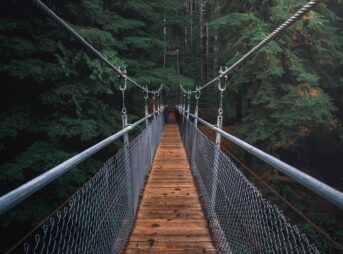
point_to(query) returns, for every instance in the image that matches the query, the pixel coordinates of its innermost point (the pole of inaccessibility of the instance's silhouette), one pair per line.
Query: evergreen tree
(57, 99)
(284, 83)
(286, 96)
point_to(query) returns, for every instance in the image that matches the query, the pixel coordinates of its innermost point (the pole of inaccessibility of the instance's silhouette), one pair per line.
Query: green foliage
(330, 226)
(287, 98)
(167, 77)
(57, 99)
(284, 85)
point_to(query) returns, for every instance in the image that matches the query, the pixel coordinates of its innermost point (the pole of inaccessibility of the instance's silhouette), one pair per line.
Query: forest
(57, 99)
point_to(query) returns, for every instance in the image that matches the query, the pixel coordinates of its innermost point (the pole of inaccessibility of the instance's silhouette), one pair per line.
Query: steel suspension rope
(86, 44)
(294, 18)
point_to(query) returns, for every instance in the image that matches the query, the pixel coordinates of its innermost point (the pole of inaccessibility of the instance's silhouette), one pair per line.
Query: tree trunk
(191, 9)
(165, 41)
(203, 40)
(215, 33)
(187, 11)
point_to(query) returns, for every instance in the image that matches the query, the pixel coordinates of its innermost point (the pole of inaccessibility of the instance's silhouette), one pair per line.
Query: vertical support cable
(124, 111)
(146, 109)
(196, 111)
(194, 145)
(162, 100)
(150, 134)
(127, 163)
(222, 79)
(221, 87)
(188, 105)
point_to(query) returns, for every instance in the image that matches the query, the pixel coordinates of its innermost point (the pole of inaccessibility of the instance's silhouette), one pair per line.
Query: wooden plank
(170, 206)
(167, 245)
(177, 214)
(167, 184)
(170, 218)
(173, 238)
(170, 251)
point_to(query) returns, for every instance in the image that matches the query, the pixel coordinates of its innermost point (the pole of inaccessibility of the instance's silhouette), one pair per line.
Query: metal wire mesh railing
(100, 216)
(241, 220)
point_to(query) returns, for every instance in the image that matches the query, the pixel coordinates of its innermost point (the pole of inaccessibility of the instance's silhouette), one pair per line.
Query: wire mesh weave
(241, 220)
(100, 216)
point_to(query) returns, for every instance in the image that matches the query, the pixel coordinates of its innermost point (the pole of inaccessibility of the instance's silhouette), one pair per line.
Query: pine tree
(57, 99)
(284, 83)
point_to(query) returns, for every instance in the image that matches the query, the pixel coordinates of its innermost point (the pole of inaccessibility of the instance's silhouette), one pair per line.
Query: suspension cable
(86, 44)
(294, 18)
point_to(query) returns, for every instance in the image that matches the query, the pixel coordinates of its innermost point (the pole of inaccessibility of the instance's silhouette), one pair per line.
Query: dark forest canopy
(56, 98)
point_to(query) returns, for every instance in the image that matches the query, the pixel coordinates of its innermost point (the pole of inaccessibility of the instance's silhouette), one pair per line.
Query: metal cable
(86, 44)
(99, 216)
(294, 18)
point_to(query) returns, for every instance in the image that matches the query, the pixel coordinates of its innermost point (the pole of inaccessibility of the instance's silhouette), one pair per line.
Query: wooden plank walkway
(170, 218)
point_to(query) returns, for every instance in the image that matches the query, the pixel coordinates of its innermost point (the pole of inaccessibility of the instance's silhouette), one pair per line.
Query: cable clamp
(146, 94)
(197, 92)
(124, 76)
(222, 78)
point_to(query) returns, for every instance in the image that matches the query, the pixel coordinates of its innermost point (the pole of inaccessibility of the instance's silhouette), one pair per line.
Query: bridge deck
(170, 218)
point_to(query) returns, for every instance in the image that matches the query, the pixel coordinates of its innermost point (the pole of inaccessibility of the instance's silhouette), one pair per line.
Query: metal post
(153, 104)
(124, 125)
(183, 106)
(183, 98)
(187, 118)
(146, 97)
(189, 101)
(158, 103)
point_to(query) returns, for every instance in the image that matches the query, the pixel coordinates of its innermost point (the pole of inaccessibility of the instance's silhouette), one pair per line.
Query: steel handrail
(24, 191)
(325, 191)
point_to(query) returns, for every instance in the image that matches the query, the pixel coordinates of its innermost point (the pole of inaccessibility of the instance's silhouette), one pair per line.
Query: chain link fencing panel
(100, 216)
(240, 219)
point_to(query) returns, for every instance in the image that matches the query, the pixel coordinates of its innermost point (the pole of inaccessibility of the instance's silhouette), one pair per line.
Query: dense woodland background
(56, 99)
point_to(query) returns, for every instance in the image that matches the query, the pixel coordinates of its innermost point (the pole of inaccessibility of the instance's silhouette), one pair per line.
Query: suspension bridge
(170, 189)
